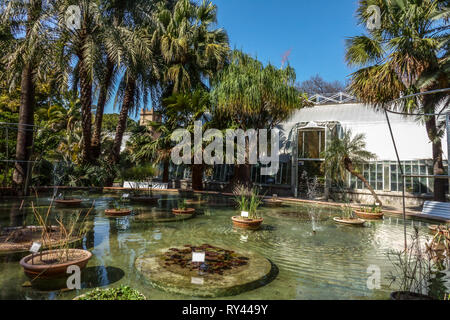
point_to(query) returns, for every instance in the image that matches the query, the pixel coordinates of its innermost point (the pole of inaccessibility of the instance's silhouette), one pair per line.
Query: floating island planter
(182, 209)
(69, 202)
(54, 263)
(350, 221)
(117, 212)
(348, 217)
(370, 213)
(121, 293)
(248, 201)
(247, 223)
(224, 272)
(20, 239)
(185, 211)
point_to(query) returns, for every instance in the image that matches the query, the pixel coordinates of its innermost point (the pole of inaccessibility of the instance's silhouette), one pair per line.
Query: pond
(316, 258)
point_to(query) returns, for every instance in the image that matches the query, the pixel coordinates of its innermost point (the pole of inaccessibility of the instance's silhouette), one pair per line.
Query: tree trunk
(104, 89)
(25, 129)
(26, 113)
(438, 164)
(127, 104)
(86, 105)
(197, 177)
(166, 164)
(351, 169)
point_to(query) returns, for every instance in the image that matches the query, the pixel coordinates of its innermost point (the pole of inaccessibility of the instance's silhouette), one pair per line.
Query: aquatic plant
(74, 229)
(415, 269)
(120, 293)
(347, 211)
(247, 200)
(217, 260)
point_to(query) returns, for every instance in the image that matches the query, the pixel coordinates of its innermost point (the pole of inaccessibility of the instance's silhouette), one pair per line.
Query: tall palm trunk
(127, 104)
(197, 177)
(25, 129)
(438, 164)
(96, 144)
(350, 168)
(26, 112)
(242, 172)
(86, 104)
(165, 176)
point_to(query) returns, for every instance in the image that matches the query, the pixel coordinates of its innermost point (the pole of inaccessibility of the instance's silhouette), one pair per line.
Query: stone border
(258, 273)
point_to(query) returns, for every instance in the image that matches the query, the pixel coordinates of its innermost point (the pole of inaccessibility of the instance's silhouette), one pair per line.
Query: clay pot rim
(183, 211)
(24, 261)
(370, 215)
(240, 220)
(358, 221)
(118, 212)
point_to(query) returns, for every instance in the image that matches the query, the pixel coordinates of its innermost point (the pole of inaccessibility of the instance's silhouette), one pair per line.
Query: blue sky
(314, 31)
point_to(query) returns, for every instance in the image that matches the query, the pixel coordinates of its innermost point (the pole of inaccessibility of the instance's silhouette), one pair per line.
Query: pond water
(330, 263)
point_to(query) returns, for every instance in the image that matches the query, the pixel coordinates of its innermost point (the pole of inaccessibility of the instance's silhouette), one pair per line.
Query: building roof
(411, 137)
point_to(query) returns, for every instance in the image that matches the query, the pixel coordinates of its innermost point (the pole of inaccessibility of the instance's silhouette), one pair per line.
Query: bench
(437, 209)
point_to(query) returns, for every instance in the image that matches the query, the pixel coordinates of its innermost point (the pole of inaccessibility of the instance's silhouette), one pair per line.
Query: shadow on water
(92, 277)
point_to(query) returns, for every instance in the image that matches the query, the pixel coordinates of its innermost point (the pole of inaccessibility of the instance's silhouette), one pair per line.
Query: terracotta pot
(250, 224)
(183, 211)
(117, 213)
(370, 216)
(404, 295)
(350, 222)
(149, 200)
(70, 202)
(54, 270)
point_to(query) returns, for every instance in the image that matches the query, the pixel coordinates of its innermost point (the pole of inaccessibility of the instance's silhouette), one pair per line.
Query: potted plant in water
(373, 212)
(348, 217)
(182, 209)
(54, 262)
(416, 272)
(142, 174)
(118, 209)
(67, 201)
(248, 202)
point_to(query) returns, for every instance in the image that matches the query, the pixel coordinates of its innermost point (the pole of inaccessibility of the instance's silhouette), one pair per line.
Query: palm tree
(191, 49)
(138, 83)
(254, 97)
(407, 54)
(25, 59)
(114, 12)
(183, 110)
(87, 45)
(347, 155)
(155, 145)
